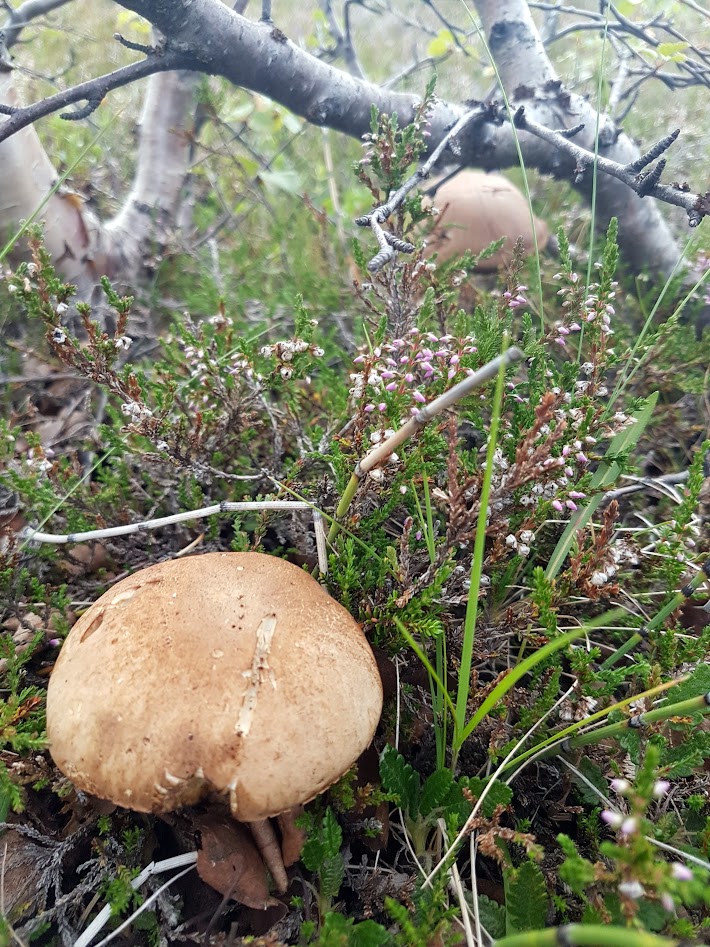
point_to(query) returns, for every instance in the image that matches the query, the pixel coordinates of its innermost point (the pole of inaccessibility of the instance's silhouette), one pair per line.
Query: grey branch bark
(206, 36)
(260, 57)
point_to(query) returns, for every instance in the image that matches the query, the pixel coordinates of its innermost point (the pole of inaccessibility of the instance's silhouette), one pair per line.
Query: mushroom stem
(268, 845)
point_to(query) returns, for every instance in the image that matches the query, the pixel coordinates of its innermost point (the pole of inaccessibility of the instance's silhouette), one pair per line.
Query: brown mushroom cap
(227, 672)
(482, 208)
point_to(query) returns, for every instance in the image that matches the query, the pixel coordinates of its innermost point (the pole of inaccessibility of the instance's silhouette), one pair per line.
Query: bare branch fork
(93, 91)
(696, 206)
(387, 241)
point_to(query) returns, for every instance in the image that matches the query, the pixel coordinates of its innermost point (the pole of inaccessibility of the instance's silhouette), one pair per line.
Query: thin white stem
(154, 868)
(30, 535)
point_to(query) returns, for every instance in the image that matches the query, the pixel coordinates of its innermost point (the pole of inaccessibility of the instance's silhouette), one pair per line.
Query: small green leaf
(435, 791)
(672, 51)
(525, 898)
(441, 44)
(697, 685)
(401, 780)
(498, 795)
(492, 916)
(332, 834)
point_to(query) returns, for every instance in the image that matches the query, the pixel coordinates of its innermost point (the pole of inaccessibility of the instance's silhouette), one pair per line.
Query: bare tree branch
(207, 36)
(20, 17)
(696, 206)
(92, 92)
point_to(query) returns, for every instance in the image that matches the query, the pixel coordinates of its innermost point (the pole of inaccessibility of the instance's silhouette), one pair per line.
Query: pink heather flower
(409, 378)
(418, 396)
(612, 819)
(369, 407)
(660, 788)
(575, 327)
(571, 505)
(566, 450)
(681, 872)
(359, 359)
(418, 534)
(582, 458)
(577, 494)
(404, 360)
(451, 372)
(563, 330)
(391, 387)
(387, 374)
(569, 472)
(667, 902)
(561, 341)
(557, 506)
(454, 360)
(629, 825)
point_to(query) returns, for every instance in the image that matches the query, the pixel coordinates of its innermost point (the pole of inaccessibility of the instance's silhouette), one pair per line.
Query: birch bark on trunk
(529, 79)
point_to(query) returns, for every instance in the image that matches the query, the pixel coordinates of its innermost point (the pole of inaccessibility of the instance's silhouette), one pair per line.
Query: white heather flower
(621, 786)
(376, 474)
(598, 578)
(32, 269)
(612, 819)
(511, 541)
(629, 825)
(61, 308)
(523, 550)
(527, 536)
(660, 788)
(318, 352)
(162, 445)
(267, 351)
(632, 889)
(59, 336)
(124, 342)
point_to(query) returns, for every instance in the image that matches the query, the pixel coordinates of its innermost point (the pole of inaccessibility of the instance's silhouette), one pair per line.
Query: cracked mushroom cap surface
(229, 673)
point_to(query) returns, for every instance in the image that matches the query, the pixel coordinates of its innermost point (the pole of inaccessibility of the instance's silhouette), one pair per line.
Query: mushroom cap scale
(227, 673)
